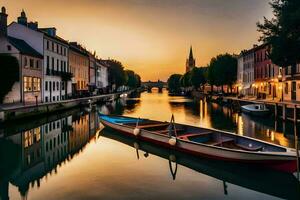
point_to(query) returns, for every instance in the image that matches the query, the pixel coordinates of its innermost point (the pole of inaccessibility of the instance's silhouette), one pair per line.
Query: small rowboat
(256, 109)
(209, 143)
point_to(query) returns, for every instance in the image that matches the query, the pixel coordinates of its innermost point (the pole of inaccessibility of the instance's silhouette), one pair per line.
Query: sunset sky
(152, 37)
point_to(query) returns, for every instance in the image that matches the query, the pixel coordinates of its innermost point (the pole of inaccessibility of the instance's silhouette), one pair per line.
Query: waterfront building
(92, 72)
(28, 88)
(267, 75)
(102, 76)
(248, 72)
(79, 64)
(240, 73)
(190, 61)
(291, 84)
(56, 84)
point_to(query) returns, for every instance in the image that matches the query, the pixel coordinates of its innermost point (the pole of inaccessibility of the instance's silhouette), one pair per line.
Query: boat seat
(259, 148)
(187, 135)
(220, 142)
(152, 125)
(167, 131)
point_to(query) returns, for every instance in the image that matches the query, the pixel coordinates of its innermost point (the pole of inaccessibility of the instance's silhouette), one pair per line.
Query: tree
(282, 33)
(185, 80)
(174, 83)
(116, 73)
(198, 77)
(222, 70)
(9, 74)
(134, 80)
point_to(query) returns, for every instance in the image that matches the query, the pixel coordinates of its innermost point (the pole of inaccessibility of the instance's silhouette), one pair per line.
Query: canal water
(72, 156)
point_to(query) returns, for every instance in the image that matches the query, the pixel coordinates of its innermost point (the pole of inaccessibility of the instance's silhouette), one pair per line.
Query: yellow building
(79, 64)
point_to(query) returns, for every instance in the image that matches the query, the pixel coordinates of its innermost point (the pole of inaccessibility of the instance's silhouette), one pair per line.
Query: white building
(56, 84)
(27, 88)
(240, 72)
(101, 75)
(248, 75)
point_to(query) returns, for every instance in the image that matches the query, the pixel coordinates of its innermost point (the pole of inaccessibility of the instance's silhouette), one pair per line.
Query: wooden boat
(255, 109)
(210, 143)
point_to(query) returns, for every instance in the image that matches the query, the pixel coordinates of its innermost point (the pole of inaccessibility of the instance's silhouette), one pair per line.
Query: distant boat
(209, 143)
(256, 109)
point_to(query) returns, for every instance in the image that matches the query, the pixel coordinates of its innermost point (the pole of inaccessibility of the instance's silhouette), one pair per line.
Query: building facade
(291, 84)
(248, 72)
(102, 76)
(267, 75)
(28, 88)
(56, 84)
(79, 64)
(92, 73)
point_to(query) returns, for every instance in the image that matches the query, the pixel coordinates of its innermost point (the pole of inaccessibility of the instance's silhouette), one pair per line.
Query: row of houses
(51, 69)
(258, 77)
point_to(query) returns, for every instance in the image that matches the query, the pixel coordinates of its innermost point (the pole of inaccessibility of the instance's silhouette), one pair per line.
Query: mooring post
(276, 110)
(284, 112)
(295, 114)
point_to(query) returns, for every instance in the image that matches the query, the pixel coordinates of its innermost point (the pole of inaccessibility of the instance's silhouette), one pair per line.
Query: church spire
(190, 62)
(191, 57)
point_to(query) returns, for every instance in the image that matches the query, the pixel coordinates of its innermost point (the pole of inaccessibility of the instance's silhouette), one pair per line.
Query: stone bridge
(151, 84)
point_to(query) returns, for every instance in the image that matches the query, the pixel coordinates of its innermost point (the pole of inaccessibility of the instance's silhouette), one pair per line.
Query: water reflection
(286, 186)
(34, 154)
(58, 156)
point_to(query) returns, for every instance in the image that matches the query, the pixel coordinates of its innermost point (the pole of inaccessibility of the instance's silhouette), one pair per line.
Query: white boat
(256, 109)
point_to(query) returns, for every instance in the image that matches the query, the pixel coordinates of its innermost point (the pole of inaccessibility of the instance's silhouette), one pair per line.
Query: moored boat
(210, 143)
(255, 109)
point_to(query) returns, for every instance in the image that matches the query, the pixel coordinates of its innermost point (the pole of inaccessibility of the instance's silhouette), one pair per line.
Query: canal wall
(14, 112)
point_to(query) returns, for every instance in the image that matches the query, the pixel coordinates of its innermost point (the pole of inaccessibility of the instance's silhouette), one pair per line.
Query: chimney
(33, 25)
(22, 19)
(3, 22)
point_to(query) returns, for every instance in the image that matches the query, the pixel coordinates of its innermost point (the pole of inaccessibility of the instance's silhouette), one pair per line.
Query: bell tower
(190, 62)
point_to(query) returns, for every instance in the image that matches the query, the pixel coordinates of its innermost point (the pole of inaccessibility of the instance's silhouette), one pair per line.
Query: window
(8, 47)
(46, 99)
(61, 65)
(62, 86)
(57, 98)
(57, 86)
(36, 84)
(37, 64)
(286, 88)
(48, 62)
(53, 86)
(25, 62)
(27, 84)
(57, 65)
(53, 63)
(46, 85)
(31, 63)
(52, 46)
(47, 44)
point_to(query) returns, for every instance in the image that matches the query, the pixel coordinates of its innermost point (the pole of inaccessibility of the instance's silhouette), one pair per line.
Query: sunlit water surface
(70, 157)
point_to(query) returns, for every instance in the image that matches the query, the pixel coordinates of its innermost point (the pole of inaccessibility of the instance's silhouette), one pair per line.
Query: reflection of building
(45, 147)
(55, 136)
(80, 133)
(190, 62)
